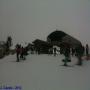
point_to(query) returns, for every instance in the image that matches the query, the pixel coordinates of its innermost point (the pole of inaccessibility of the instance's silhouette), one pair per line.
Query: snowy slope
(44, 72)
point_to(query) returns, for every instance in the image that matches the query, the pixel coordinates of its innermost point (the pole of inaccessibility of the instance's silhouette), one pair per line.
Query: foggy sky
(26, 20)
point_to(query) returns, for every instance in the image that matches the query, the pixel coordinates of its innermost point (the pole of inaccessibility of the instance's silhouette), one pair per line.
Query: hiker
(54, 51)
(24, 53)
(18, 50)
(21, 52)
(87, 51)
(79, 54)
(67, 55)
(83, 50)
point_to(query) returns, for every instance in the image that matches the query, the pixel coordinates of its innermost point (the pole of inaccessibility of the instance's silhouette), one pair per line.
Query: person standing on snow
(67, 55)
(22, 53)
(87, 51)
(18, 50)
(79, 53)
(54, 51)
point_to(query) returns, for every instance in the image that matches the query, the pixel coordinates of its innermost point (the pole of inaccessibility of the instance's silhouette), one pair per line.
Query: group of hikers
(67, 51)
(21, 52)
(79, 52)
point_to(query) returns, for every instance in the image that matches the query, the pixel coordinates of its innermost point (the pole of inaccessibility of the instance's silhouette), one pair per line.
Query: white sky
(26, 20)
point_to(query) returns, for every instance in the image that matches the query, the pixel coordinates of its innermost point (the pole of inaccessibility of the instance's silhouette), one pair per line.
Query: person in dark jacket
(67, 55)
(79, 53)
(87, 51)
(83, 50)
(18, 50)
(54, 51)
(22, 53)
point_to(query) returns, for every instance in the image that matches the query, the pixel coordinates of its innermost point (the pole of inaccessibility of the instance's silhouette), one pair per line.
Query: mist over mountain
(26, 20)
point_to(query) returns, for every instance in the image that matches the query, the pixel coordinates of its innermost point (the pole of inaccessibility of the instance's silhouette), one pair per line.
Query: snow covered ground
(44, 72)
